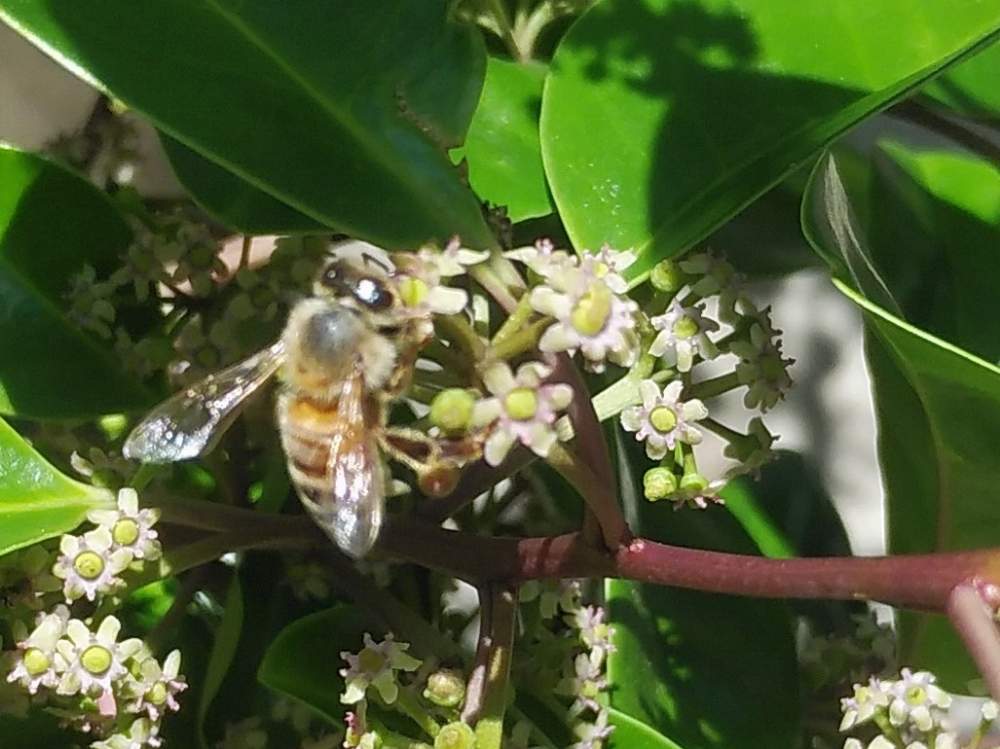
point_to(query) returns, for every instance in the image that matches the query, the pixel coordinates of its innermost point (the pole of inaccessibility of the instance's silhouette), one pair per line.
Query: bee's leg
(437, 461)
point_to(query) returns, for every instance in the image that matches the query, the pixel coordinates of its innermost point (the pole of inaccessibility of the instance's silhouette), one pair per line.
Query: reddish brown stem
(974, 622)
(912, 581)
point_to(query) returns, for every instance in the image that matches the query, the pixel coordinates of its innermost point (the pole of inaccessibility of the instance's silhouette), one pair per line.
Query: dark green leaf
(704, 670)
(37, 501)
(304, 660)
(938, 404)
(502, 148)
(227, 639)
(662, 118)
(342, 113)
(52, 223)
(234, 201)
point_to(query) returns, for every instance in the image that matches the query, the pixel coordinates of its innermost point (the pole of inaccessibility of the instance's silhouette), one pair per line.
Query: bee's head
(352, 286)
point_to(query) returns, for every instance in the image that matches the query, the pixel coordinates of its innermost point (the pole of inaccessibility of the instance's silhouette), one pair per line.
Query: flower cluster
(911, 712)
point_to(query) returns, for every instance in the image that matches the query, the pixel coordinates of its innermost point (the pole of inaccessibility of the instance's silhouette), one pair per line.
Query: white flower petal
(560, 395)
(558, 337)
(445, 300)
(497, 447)
(694, 410)
(650, 393)
(550, 302)
(631, 418)
(485, 412)
(672, 392)
(541, 440)
(128, 501)
(499, 379)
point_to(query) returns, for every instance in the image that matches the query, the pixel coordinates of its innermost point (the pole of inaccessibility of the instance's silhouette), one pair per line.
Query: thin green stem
(515, 320)
(517, 343)
(488, 277)
(730, 435)
(458, 330)
(716, 386)
(409, 704)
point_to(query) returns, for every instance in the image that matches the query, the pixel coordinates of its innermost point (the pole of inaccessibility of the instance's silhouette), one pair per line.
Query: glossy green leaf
(342, 113)
(630, 733)
(231, 200)
(502, 148)
(37, 501)
(663, 118)
(227, 639)
(304, 660)
(970, 88)
(704, 670)
(52, 223)
(938, 405)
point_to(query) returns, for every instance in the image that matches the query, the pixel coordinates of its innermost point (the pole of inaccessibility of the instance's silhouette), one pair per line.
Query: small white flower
(420, 275)
(142, 733)
(853, 744)
(946, 741)
(521, 409)
(130, 527)
(592, 735)
(93, 662)
(917, 700)
(376, 665)
(763, 369)
(88, 565)
(608, 265)
(881, 742)
(595, 633)
(585, 684)
(157, 687)
(37, 665)
(863, 704)
(552, 596)
(683, 335)
(663, 419)
(542, 257)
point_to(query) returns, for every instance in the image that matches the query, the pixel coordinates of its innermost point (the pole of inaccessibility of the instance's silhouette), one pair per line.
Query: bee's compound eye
(373, 294)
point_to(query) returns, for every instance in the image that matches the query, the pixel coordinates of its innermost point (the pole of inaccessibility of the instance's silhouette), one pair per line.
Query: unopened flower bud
(667, 277)
(451, 410)
(445, 688)
(659, 483)
(455, 736)
(693, 483)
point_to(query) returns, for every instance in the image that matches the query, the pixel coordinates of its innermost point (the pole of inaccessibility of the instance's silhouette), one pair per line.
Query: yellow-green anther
(445, 688)
(413, 291)
(685, 327)
(455, 736)
(659, 483)
(36, 661)
(451, 410)
(89, 565)
(591, 313)
(663, 419)
(125, 532)
(96, 659)
(521, 404)
(667, 277)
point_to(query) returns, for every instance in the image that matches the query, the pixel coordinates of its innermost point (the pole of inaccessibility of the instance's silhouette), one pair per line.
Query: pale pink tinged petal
(559, 395)
(445, 300)
(662, 322)
(616, 283)
(530, 374)
(485, 412)
(69, 545)
(106, 705)
(465, 256)
(499, 379)
(497, 446)
(77, 632)
(128, 501)
(631, 418)
(693, 410)
(685, 356)
(672, 392)
(558, 337)
(107, 633)
(541, 439)
(650, 393)
(660, 343)
(99, 539)
(550, 302)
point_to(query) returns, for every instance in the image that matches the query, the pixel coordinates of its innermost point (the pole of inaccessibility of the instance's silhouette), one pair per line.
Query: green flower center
(89, 565)
(96, 659)
(916, 695)
(685, 327)
(521, 404)
(157, 694)
(36, 661)
(663, 419)
(413, 291)
(125, 532)
(371, 661)
(591, 313)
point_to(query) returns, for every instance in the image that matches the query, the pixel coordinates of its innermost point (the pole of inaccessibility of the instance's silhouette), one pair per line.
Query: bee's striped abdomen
(307, 428)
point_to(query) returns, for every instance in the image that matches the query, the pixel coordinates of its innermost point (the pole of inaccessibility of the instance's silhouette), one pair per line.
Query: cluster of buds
(912, 712)
(116, 691)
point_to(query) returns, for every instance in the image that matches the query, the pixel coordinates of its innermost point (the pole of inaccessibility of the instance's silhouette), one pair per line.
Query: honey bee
(345, 353)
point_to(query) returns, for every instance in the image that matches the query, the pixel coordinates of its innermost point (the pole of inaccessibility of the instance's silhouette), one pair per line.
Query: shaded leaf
(630, 733)
(37, 501)
(344, 115)
(52, 223)
(970, 88)
(227, 639)
(663, 118)
(502, 147)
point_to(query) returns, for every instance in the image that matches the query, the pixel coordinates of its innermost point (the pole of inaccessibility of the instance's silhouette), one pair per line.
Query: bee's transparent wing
(350, 509)
(189, 423)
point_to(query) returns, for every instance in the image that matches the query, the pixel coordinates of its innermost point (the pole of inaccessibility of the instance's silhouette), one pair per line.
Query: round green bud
(451, 410)
(667, 277)
(89, 565)
(659, 483)
(694, 483)
(455, 736)
(445, 688)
